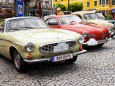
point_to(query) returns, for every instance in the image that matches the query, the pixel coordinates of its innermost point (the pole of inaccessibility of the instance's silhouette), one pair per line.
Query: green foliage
(63, 8)
(76, 7)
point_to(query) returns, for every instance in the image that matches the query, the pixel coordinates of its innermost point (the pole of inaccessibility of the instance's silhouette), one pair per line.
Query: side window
(52, 22)
(87, 16)
(63, 21)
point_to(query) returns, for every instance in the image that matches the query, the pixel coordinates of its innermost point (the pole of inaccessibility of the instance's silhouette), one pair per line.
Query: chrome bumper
(106, 40)
(78, 53)
(49, 59)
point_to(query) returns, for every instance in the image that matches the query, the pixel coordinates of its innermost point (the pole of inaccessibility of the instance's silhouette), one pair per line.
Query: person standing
(59, 12)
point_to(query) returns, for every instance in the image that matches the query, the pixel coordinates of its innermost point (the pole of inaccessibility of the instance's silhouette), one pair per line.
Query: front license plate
(101, 41)
(92, 42)
(62, 57)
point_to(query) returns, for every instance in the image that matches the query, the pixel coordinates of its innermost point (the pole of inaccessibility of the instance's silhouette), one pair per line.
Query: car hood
(100, 22)
(42, 36)
(84, 28)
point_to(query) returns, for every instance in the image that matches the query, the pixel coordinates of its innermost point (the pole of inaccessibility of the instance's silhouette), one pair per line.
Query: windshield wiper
(34, 28)
(28, 27)
(14, 29)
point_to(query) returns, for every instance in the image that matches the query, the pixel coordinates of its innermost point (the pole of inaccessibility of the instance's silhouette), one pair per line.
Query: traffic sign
(113, 10)
(20, 8)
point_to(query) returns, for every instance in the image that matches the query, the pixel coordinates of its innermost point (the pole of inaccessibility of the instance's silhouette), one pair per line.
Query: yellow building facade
(100, 5)
(65, 2)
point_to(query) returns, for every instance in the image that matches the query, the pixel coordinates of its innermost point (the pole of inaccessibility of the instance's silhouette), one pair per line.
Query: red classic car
(94, 35)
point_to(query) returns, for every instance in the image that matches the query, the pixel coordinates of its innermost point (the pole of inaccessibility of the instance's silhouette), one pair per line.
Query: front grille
(91, 35)
(49, 48)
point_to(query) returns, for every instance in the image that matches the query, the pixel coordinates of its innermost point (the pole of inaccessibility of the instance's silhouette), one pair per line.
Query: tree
(63, 8)
(76, 7)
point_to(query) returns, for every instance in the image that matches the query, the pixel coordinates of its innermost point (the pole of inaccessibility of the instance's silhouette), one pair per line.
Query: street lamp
(68, 6)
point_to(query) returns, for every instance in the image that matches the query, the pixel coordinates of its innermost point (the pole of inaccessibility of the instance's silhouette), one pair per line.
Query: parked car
(28, 40)
(100, 16)
(92, 17)
(94, 35)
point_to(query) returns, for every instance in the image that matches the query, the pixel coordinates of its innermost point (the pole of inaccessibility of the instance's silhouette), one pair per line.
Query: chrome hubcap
(17, 60)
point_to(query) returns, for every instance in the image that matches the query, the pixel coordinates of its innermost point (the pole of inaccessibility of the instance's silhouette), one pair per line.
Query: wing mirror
(52, 23)
(1, 29)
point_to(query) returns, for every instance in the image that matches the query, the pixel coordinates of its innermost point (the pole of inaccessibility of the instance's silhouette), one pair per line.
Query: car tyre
(70, 61)
(100, 45)
(18, 62)
(112, 35)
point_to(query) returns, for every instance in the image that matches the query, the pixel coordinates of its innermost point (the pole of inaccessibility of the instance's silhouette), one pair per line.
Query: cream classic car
(92, 17)
(28, 40)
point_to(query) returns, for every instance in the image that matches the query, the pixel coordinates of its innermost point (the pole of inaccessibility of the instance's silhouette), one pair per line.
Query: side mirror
(1, 29)
(52, 23)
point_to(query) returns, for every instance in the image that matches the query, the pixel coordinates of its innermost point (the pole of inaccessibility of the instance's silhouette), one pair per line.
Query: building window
(88, 4)
(95, 3)
(55, 0)
(113, 2)
(107, 2)
(104, 2)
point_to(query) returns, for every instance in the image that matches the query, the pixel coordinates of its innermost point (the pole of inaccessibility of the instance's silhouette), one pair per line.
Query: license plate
(101, 41)
(92, 42)
(62, 57)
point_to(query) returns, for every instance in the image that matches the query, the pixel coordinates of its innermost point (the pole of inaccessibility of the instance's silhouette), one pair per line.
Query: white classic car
(28, 40)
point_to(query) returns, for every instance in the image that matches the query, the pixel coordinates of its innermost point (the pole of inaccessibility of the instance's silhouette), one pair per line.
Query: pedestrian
(59, 12)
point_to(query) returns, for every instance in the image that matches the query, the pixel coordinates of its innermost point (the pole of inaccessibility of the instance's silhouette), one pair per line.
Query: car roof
(56, 16)
(18, 18)
(83, 12)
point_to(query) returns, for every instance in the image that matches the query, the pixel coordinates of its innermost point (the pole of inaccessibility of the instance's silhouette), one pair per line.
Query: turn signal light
(81, 47)
(30, 56)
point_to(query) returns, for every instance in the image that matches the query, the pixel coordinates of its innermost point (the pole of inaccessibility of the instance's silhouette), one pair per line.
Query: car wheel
(100, 45)
(112, 35)
(70, 61)
(18, 62)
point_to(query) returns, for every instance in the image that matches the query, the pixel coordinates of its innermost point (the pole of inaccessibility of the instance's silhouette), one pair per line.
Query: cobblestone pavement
(95, 68)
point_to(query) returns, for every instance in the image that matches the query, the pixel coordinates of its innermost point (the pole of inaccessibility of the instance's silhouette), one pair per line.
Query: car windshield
(25, 24)
(70, 19)
(100, 16)
(90, 16)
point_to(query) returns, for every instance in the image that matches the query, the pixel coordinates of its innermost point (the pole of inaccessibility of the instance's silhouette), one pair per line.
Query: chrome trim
(37, 60)
(54, 43)
(80, 52)
(11, 42)
(49, 59)
(106, 40)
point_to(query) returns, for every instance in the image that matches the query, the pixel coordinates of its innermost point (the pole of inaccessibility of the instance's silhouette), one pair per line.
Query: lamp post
(68, 6)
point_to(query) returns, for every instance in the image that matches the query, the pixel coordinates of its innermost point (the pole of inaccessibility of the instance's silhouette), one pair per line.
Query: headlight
(81, 39)
(109, 31)
(85, 34)
(29, 47)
